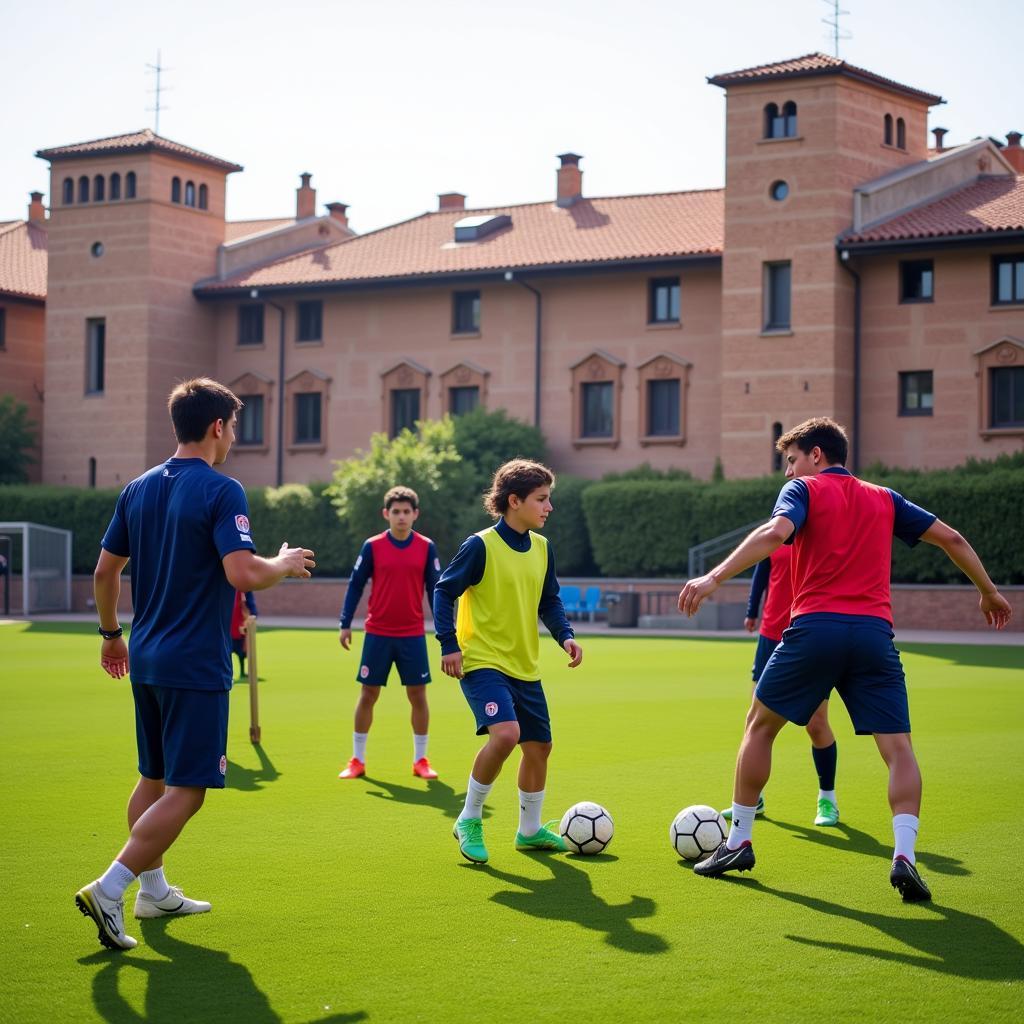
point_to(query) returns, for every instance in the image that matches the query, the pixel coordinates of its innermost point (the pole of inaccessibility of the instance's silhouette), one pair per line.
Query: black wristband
(110, 634)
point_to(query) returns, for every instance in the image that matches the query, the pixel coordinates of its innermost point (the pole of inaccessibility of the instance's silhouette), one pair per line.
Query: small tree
(17, 439)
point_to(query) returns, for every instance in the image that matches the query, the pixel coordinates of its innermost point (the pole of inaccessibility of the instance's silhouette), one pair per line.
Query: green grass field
(348, 901)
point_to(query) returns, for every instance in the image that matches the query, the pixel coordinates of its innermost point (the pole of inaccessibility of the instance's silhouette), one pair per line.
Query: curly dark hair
(519, 477)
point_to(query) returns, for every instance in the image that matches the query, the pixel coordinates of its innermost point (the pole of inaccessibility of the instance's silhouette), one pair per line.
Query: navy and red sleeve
(910, 521)
(361, 573)
(431, 572)
(758, 586)
(466, 570)
(793, 502)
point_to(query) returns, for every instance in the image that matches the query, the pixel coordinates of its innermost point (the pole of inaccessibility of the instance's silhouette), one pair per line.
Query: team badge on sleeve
(242, 522)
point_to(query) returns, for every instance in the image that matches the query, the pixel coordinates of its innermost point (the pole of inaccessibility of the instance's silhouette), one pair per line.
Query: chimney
(37, 212)
(305, 198)
(1013, 151)
(570, 179)
(451, 201)
(940, 134)
(337, 212)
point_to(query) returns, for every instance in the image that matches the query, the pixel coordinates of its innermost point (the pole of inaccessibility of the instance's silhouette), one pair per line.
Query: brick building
(847, 268)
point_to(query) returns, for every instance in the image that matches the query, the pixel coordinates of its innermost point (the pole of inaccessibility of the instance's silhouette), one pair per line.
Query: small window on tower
(175, 190)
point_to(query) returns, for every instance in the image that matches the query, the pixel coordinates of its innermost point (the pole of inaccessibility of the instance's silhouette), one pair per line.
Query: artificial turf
(346, 901)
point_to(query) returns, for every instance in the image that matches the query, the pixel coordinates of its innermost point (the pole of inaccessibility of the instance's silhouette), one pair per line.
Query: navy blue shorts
(496, 697)
(182, 735)
(765, 649)
(853, 654)
(408, 653)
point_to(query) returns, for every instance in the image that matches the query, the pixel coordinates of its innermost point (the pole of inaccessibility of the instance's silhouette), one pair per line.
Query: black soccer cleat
(724, 859)
(911, 885)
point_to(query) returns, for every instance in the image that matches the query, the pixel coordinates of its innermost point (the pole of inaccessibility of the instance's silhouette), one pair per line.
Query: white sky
(388, 102)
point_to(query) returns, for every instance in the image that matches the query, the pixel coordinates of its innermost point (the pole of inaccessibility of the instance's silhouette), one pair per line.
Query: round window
(779, 190)
(97, 249)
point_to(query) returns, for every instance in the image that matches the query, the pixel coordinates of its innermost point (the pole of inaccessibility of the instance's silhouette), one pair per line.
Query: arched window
(771, 116)
(789, 113)
(888, 129)
(69, 191)
(175, 190)
(129, 185)
(204, 197)
(97, 188)
(115, 186)
(901, 133)
(190, 193)
(83, 189)
(776, 454)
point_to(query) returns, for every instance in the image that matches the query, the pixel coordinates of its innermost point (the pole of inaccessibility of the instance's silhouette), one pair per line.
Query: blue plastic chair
(571, 601)
(592, 603)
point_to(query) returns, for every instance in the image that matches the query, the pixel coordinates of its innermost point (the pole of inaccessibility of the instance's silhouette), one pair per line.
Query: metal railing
(708, 551)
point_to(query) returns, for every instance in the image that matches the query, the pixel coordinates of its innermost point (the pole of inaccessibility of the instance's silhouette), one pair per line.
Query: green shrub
(17, 439)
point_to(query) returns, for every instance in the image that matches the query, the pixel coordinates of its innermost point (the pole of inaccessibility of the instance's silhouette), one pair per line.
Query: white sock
(476, 794)
(359, 745)
(530, 805)
(115, 880)
(419, 746)
(154, 884)
(828, 794)
(742, 826)
(904, 829)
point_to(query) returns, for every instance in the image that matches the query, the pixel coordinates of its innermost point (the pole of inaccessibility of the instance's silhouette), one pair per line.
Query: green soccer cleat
(470, 834)
(828, 813)
(542, 839)
(758, 811)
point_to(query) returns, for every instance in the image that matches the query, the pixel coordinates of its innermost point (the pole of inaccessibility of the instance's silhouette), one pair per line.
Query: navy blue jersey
(175, 523)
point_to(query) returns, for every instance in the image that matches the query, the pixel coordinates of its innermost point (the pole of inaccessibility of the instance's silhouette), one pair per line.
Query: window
(777, 296)
(887, 130)
(663, 408)
(190, 193)
(250, 324)
(97, 188)
(1008, 279)
(463, 399)
(204, 197)
(917, 281)
(92, 471)
(307, 417)
(310, 321)
(95, 355)
(405, 409)
(465, 312)
(597, 420)
(175, 190)
(250, 419)
(780, 125)
(664, 301)
(129, 185)
(901, 133)
(916, 395)
(83, 189)
(779, 190)
(3, 327)
(789, 114)
(115, 186)
(776, 454)
(772, 122)
(69, 191)
(1007, 396)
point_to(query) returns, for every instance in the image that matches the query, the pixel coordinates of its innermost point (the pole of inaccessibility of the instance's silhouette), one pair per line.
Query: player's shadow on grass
(846, 837)
(569, 896)
(249, 780)
(436, 794)
(949, 941)
(193, 983)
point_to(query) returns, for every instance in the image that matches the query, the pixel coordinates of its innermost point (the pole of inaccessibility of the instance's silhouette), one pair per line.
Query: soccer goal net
(37, 573)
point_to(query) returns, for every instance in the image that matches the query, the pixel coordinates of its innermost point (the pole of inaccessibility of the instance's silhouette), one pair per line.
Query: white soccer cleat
(107, 914)
(173, 904)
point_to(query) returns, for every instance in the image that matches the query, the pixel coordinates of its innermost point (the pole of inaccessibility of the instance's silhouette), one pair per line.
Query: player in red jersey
(841, 634)
(403, 564)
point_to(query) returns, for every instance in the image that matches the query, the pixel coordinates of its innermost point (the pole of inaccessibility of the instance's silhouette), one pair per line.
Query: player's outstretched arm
(993, 605)
(246, 570)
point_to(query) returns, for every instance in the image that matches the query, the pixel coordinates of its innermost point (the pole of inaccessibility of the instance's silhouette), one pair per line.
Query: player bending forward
(841, 635)
(403, 564)
(505, 577)
(185, 529)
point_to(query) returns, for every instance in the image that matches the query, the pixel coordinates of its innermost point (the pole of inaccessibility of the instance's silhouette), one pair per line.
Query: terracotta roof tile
(23, 260)
(647, 227)
(816, 64)
(241, 228)
(134, 142)
(990, 204)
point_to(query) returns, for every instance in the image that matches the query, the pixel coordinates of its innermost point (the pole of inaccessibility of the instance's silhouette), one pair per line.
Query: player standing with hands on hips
(184, 530)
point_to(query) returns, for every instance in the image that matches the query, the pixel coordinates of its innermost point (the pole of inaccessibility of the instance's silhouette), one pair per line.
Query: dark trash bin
(625, 611)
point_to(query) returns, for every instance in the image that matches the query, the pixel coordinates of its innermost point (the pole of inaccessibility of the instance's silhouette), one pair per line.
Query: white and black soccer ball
(587, 828)
(697, 831)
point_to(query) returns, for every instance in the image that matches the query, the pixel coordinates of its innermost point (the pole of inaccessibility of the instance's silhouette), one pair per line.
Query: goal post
(43, 554)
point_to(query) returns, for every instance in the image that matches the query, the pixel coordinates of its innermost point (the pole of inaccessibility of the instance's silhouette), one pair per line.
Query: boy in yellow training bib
(505, 577)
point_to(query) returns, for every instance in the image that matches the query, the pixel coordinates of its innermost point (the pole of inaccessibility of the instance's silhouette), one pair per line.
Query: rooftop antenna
(157, 69)
(838, 33)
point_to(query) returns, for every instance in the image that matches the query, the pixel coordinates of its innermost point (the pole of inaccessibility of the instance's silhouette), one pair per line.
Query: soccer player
(243, 609)
(505, 577)
(841, 635)
(772, 574)
(184, 528)
(402, 564)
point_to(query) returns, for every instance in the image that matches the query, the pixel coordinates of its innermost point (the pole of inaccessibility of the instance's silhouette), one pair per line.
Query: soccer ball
(587, 828)
(697, 832)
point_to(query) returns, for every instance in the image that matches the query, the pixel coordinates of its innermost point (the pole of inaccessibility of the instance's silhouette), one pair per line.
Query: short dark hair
(520, 477)
(406, 494)
(819, 432)
(195, 404)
